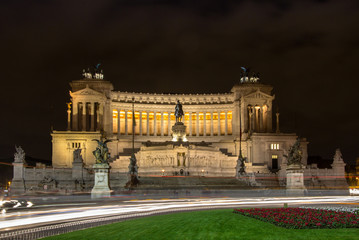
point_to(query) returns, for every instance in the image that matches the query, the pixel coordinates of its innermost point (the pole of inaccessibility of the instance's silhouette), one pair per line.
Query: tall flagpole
(240, 133)
(241, 160)
(133, 125)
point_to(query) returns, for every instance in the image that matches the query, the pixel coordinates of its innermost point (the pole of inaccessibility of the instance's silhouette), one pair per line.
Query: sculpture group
(101, 153)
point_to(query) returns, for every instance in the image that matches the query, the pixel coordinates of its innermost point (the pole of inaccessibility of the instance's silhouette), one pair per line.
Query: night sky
(308, 50)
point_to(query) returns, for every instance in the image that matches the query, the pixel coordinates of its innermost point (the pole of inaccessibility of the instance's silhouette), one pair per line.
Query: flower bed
(302, 218)
(354, 210)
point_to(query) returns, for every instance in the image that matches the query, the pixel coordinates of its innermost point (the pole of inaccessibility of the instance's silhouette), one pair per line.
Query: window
(76, 145)
(274, 146)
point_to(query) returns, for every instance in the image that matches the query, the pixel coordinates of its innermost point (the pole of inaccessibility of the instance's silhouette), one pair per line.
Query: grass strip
(211, 224)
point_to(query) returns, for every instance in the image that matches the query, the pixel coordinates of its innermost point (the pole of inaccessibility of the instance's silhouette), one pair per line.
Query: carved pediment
(259, 95)
(86, 92)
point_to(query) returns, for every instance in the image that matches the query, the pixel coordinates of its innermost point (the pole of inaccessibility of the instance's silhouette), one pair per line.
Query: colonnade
(257, 118)
(160, 123)
(86, 116)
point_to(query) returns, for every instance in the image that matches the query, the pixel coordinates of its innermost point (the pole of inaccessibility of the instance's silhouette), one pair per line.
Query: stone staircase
(225, 152)
(128, 151)
(191, 183)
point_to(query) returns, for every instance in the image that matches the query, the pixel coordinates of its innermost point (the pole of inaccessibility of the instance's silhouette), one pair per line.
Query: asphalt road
(56, 212)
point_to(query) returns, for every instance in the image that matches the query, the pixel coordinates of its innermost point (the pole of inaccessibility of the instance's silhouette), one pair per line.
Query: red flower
(302, 218)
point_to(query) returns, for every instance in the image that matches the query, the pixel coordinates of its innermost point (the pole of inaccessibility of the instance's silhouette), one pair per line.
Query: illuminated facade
(217, 125)
(213, 119)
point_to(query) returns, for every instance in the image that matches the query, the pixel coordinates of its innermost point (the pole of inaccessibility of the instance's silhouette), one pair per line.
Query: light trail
(21, 219)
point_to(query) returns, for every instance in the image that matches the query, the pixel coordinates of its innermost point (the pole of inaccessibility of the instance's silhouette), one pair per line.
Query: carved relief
(181, 159)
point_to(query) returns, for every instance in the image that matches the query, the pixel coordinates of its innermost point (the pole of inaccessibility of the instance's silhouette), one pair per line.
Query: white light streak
(63, 214)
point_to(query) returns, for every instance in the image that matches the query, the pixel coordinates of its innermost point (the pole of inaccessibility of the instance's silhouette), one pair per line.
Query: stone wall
(65, 180)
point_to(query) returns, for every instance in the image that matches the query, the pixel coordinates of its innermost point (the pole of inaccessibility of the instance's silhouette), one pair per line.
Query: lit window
(274, 156)
(76, 145)
(274, 146)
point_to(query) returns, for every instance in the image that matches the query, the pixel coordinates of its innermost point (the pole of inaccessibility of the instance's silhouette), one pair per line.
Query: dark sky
(308, 50)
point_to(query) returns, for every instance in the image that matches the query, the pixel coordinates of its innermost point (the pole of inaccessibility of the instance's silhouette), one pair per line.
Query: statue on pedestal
(295, 172)
(338, 157)
(77, 156)
(101, 168)
(18, 183)
(19, 156)
(178, 112)
(295, 154)
(179, 129)
(101, 153)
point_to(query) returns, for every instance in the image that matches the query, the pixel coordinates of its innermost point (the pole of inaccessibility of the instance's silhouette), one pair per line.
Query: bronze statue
(101, 153)
(69, 105)
(178, 111)
(295, 154)
(133, 173)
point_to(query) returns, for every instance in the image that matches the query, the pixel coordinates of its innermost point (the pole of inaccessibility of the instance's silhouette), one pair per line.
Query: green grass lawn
(212, 224)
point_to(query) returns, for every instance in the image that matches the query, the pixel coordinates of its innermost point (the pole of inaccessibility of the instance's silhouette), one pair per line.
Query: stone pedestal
(101, 188)
(17, 186)
(179, 132)
(295, 181)
(77, 168)
(18, 183)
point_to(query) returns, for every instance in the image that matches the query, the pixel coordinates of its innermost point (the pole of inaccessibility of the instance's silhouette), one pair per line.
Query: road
(49, 214)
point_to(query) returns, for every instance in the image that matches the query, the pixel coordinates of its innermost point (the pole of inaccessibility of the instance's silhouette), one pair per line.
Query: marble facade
(211, 118)
(214, 125)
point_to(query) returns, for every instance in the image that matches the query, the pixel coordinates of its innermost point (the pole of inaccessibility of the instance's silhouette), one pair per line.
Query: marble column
(140, 123)
(162, 124)
(226, 124)
(211, 123)
(126, 123)
(190, 124)
(260, 119)
(247, 119)
(219, 123)
(204, 123)
(250, 112)
(148, 124)
(257, 119)
(97, 112)
(169, 123)
(197, 124)
(264, 118)
(107, 117)
(236, 118)
(92, 116)
(84, 116)
(118, 123)
(101, 120)
(155, 124)
(75, 116)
